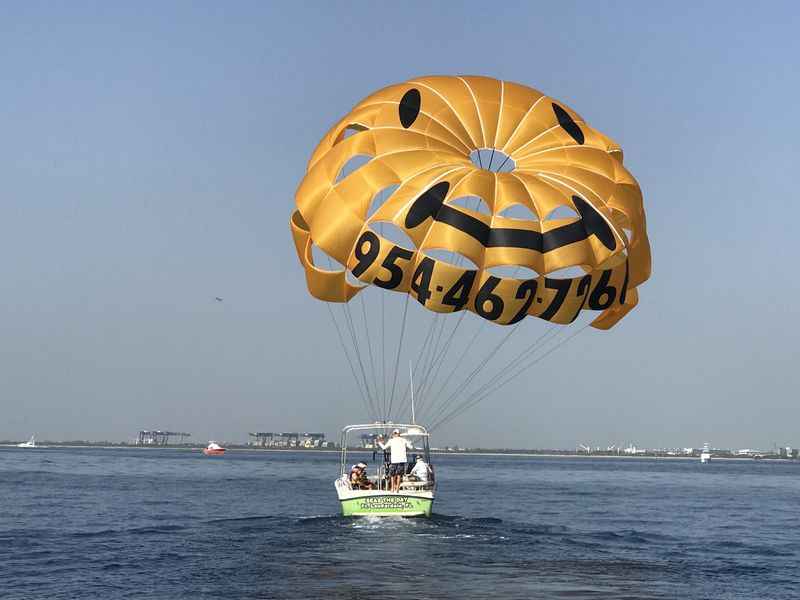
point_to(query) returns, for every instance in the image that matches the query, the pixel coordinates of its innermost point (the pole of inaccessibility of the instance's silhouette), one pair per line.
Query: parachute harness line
(420, 138)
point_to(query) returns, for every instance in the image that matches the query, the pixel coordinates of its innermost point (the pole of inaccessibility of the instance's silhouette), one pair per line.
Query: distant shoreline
(479, 452)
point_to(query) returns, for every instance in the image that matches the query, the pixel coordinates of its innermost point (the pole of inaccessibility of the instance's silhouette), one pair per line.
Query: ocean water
(146, 523)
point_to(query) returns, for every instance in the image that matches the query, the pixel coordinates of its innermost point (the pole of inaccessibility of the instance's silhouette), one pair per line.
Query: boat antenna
(411, 373)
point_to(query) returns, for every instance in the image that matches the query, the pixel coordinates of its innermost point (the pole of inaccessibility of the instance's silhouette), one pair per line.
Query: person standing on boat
(397, 467)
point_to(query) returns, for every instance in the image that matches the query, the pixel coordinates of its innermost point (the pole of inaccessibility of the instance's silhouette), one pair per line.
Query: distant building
(287, 439)
(368, 440)
(312, 440)
(156, 437)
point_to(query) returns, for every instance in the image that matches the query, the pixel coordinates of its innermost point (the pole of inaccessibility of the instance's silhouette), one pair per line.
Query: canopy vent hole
(352, 165)
(567, 273)
(520, 212)
(475, 203)
(381, 197)
(513, 271)
(628, 234)
(561, 212)
(349, 131)
(452, 258)
(492, 159)
(391, 232)
(324, 261)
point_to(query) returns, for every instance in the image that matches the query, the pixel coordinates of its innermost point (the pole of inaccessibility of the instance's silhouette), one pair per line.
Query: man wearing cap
(397, 468)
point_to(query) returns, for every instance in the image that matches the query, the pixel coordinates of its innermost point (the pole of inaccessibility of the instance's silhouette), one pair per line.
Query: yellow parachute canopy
(422, 137)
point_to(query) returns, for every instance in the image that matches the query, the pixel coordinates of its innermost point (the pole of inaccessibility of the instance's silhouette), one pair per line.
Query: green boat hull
(387, 505)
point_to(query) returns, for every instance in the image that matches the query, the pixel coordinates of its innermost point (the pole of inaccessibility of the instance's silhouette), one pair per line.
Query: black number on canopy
(485, 296)
(421, 280)
(366, 257)
(527, 290)
(458, 295)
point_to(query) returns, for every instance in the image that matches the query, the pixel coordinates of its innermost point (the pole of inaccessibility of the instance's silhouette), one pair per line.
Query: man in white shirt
(398, 460)
(421, 470)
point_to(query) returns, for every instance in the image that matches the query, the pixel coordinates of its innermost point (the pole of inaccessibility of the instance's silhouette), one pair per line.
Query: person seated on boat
(421, 470)
(397, 467)
(358, 477)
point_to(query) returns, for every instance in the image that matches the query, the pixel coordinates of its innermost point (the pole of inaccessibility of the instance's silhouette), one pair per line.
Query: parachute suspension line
(364, 391)
(347, 355)
(404, 395)
(436, 366)
(458, 362)
(525, 353)
(383, 347)
(348, 320)
(440, 358)
(502, 164)
(458, 323)
(383, 351)
(514, 376)
(427, 349)
(354, 338)
(428, 364)
(485, 393)
(477, 370)
(551, 333)
(369, 347)
(397, 359)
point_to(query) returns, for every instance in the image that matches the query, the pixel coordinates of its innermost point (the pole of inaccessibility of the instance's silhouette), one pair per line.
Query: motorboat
(31, 443)
(705, 453)
(213, 449)
(374, 497)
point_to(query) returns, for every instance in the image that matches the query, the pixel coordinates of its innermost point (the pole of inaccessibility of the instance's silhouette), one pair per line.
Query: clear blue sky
(150, 152)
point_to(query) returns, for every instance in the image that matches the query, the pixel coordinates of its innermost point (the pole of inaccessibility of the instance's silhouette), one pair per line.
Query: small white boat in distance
(213, 449)
(31, 443)
(705, 453)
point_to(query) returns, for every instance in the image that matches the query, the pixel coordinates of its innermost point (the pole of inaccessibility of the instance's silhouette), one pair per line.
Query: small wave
(243, 519)
(132, 531)
(375, 522)
(442, 518)
(100, 533)
(630, 535)
(156, 529)
(322, 520)
(540, 530)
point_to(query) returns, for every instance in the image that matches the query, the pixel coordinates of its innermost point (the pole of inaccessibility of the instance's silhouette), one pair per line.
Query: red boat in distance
(213, 449)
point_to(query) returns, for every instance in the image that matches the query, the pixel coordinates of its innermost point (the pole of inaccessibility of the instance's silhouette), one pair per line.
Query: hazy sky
(150, 153)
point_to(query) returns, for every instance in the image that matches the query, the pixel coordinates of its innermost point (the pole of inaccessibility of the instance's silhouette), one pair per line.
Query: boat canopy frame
(407, 430)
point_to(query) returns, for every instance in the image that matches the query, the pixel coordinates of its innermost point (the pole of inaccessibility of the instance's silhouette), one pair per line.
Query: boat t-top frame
(415, 496)
(417, 434)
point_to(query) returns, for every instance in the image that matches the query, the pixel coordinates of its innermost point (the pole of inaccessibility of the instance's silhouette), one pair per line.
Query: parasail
(487, 179)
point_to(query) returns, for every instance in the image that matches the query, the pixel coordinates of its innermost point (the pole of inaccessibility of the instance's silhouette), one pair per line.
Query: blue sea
(148, 523)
